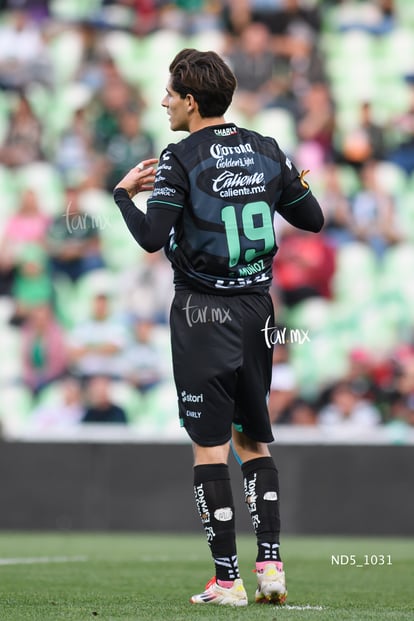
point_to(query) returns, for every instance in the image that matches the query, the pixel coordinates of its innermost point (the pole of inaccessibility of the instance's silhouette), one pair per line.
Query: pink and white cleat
(271, 587)
(216, 594)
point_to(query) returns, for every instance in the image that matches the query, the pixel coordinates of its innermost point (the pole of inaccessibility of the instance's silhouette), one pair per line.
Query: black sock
(214, 500)
(261, 491)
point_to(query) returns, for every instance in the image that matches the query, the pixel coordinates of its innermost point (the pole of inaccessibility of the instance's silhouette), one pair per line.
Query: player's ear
(191, 102)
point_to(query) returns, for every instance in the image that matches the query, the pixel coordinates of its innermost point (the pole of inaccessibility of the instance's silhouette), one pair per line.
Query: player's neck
(199, 122)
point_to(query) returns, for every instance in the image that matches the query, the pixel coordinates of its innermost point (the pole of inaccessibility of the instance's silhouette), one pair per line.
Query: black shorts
(222, 365)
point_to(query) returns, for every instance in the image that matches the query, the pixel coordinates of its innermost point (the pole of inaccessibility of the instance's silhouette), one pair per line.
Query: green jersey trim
(296, 200)
(165, 203)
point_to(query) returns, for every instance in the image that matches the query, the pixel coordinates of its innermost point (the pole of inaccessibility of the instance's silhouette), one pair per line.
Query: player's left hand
(140, 178)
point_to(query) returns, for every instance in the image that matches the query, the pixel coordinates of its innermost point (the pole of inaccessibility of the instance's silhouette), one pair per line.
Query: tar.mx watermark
(195, 314)
(274, 335)
(77, 221)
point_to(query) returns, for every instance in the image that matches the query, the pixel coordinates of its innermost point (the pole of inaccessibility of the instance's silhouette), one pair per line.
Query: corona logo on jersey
(229, 157)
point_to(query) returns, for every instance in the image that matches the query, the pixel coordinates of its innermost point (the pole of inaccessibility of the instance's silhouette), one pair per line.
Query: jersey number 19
(250, 215)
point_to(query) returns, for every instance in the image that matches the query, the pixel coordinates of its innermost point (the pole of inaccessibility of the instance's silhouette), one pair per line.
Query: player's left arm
(151, 230)
(297, 204)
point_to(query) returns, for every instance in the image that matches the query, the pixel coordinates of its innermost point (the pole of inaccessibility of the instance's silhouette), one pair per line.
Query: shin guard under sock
(214, 500)
(261, 490)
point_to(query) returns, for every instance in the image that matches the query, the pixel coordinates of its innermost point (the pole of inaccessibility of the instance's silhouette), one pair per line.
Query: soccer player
(214, 195)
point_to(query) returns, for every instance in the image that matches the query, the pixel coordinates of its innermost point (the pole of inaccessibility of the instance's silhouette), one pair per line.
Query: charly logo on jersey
(226, 131)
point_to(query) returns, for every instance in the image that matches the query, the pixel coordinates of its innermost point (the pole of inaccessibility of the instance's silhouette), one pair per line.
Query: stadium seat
(66, 65)
(397, 271)
(50, 395)
(348, 179)
(278, 123)
(344, 323)
(391, 178)
(321, 358)
(235, 116)
(67, 10)
(124, 395)
(69, 98)
(394, 312)
(318, 362)
(44, 179)
(396, 51)
(155, 121)
(158, 409)
(9, 192)
(405, 214)
(356, 274)
(99, 204)
(313, 314)
(207, 40)
(15, 408)
(119, 248)
(128, 53)
(4, 115)
(65, 301)
(162, 45)
(6, 310)
(90, 284)
(11, 362)
(374, 330)
(405, 12)
(351, 65)
(135, 58)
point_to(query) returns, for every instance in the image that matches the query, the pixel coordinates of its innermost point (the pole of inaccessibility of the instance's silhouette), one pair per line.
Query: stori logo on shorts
(187, 397)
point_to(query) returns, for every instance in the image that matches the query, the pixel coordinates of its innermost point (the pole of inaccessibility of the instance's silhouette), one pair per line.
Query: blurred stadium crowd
(83, 311)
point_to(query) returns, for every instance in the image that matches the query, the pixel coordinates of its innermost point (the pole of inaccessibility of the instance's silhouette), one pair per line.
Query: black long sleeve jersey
(213, 206)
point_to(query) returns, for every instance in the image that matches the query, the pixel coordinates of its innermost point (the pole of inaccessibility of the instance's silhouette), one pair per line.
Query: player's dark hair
(205, 76)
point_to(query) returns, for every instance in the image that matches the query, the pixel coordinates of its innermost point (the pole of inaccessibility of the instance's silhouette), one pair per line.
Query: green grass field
(140, 577)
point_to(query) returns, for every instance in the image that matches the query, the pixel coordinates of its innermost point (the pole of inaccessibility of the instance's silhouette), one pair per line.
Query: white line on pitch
(305, 607)
(42, 559)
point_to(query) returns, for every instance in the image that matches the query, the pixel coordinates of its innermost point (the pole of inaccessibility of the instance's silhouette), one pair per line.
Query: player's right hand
(140, 178)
